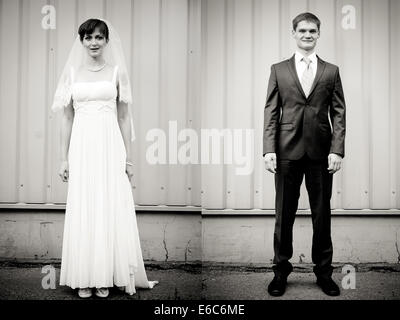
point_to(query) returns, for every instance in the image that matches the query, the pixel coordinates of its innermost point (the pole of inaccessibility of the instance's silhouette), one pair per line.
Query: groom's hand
(270, 162)
(334, 163)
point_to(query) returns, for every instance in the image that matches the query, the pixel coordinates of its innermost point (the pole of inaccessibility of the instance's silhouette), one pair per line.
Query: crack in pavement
(164, 239)
(397, 249)
(187, 250)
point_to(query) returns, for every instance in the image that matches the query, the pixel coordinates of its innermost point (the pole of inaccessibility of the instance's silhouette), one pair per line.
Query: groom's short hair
(306, 16)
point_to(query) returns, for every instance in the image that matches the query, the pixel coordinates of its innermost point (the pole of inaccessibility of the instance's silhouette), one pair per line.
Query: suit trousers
(288, 179)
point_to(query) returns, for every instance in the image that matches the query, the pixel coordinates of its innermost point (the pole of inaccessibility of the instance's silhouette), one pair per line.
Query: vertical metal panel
(89, 9)
(265, 22)
(394, 8)
(10, 52)
(377, 47)
(61, 40)
(146, 61)
(156, 44)
(174, 59)
(213, 96)
(351, 54)
(367, 58)
(194, 97)
(239, 109)
(33, 106)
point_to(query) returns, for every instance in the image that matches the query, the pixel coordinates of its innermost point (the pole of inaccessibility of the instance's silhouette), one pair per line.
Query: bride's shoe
(102, 292)
(85, 293)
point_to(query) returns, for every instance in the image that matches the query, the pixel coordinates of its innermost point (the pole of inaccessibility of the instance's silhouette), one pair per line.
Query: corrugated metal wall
(161, 39)
(240, 41)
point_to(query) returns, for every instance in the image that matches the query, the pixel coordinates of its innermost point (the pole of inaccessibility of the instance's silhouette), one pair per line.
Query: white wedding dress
(101, 246)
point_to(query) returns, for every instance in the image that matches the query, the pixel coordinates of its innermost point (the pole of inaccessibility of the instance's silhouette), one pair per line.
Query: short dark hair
(89, 26)
(306, 16)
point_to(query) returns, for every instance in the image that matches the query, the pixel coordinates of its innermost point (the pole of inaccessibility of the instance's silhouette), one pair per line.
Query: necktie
(307, 78)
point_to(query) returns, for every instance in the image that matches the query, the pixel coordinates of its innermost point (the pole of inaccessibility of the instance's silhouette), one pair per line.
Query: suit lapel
(293, 72)
(320, 71)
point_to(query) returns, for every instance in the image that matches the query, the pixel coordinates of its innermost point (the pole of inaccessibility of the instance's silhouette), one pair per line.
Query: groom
(304, 131)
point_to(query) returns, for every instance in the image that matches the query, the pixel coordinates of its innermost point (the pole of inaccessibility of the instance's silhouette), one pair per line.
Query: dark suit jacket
(295, 124)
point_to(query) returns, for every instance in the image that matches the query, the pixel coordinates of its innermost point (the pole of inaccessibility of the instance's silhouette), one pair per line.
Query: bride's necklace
(97, 68)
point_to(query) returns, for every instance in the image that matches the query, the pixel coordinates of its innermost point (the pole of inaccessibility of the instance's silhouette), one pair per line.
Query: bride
(101, 246)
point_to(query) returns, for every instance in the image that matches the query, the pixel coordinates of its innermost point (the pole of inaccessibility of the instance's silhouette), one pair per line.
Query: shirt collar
(313, 57)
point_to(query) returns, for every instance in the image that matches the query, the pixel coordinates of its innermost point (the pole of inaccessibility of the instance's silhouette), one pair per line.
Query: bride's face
(94, 43)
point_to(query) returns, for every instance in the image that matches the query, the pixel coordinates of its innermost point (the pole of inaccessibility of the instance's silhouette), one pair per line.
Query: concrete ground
(194, 282)
(24, 282)
(234, 285)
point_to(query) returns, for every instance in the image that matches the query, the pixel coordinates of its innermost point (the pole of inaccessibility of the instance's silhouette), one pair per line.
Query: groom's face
(306, 35)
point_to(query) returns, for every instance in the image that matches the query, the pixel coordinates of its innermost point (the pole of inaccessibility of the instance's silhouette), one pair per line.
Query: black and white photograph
(96, 201)
(218, 151)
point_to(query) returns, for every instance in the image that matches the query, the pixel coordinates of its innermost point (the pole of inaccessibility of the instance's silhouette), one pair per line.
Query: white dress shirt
(301, 65)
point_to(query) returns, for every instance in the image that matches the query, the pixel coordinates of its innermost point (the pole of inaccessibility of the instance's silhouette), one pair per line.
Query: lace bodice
(92, 96)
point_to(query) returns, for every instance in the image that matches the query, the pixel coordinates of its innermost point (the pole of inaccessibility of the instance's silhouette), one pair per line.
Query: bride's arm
(125, 126)
(66, 128)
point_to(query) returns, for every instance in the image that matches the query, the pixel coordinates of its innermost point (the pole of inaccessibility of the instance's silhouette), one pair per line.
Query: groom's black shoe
(277, 286)
(328, 286)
